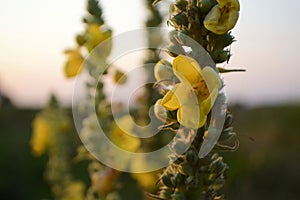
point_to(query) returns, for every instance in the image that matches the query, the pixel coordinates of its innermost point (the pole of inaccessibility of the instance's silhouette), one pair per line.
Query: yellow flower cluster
(45, 125)
(93, 36)
(41, 137)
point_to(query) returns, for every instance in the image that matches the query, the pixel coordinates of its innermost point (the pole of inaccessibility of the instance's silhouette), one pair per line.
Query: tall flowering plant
(199, 173)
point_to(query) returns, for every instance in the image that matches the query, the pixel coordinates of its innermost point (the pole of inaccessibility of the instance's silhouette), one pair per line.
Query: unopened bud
(160, 111)
(163, 71)
(204, 5)
(220, 56)
(174, 50)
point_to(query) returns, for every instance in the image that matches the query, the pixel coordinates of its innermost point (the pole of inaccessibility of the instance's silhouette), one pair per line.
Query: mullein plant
(50, 124)
(102, 179)
(52, 135)
(208, 22)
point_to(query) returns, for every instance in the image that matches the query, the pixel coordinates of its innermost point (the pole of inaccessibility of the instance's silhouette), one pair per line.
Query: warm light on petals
(195, 95)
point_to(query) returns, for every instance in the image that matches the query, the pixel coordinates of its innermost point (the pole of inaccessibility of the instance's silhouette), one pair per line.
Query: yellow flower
(41, 138)
(119, 77)
(120, 136)
(95, 36)
(73, 65)
(146, 180)
(223, 16)
(74, 191)
(163, 72)
(197, 90)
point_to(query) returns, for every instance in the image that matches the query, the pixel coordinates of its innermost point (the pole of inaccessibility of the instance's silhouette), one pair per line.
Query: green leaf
(223, 70)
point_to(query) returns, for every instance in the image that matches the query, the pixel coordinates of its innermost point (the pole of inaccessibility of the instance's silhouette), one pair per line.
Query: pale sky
(34, 34)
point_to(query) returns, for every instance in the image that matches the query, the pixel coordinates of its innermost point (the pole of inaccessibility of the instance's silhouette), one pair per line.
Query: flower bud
(220, 56)
(174, 50)
(119, 77)
(166, 180)
(181, 5)
(163, 71)
(179, 19)
(228, 120)
(222, 41)
(227, 134)
(186, 169)
(178, 179)
(204, 5)
(192, 157)
(80, 40)
(160, 111)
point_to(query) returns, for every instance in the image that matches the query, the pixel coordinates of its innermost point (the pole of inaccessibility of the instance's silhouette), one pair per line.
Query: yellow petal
(222, 17)
(74, 191)
(146, 180)
(95, 36)
(211, 78)
(41, 136)
(213, 83)
(125, 123)
(187, 69)
(231, 3)
(120, 135)
(176, 97)
(74, 62)
(191, 116)
(212, 18)
(232, 19)
(119, 77)
(207, 104)
(170, 101)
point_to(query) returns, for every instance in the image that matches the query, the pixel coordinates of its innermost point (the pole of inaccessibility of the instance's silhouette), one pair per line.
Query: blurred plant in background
(187, 176)
(52, 135)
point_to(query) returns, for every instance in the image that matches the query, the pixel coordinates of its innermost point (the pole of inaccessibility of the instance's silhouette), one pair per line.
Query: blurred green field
(269, 166)
(266, 166)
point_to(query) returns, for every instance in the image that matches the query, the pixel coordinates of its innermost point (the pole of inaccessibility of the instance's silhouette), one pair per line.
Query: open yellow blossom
(223, 16)
(95, 35)
(74, 62)
(120, 136)
(197, 90)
